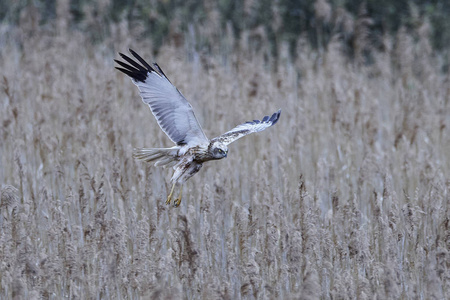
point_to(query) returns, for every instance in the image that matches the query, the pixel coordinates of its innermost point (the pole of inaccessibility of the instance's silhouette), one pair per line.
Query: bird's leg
(169, 198)
(177, 201)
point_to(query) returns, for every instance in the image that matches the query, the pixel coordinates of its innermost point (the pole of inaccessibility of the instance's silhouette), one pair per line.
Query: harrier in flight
(176, 118)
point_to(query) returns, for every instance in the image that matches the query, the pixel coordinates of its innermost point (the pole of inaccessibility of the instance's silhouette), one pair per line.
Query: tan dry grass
(346, 197)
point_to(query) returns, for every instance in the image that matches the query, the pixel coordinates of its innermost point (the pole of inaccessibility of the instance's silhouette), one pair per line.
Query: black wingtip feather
(158, 68)
(133, 63)
(272, 119)
(128, 67)
(275, 117)
(135, 76)
(133, 69)
(142, 61)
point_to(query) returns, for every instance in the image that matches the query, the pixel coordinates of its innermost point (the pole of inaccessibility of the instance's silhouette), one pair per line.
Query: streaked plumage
(176, 118)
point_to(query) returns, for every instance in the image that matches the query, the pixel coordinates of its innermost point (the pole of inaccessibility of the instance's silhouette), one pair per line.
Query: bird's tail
(161, 156)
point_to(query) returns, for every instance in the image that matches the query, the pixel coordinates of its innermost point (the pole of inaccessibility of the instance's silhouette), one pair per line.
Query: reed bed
(347, 197)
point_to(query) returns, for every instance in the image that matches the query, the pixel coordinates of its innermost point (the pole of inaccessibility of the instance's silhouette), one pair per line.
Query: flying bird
(176, 118)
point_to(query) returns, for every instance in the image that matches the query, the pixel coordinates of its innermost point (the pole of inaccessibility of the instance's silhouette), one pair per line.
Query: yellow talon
(177, 201)
(169, 198)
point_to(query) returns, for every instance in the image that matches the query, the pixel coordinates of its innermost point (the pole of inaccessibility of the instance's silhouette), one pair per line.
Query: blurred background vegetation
(218, 26)
(347, 198)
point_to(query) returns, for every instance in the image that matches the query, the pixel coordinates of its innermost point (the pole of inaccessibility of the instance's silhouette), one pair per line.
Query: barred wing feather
(172, 111)
(247, 128)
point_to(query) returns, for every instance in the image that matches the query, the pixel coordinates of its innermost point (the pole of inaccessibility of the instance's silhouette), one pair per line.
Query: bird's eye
(220, 151)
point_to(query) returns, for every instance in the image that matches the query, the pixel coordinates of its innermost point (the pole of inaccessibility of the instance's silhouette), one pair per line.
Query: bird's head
(218, 150)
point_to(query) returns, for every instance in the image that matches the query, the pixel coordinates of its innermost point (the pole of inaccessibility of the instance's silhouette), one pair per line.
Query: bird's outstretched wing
(172, 111)
(247, 128)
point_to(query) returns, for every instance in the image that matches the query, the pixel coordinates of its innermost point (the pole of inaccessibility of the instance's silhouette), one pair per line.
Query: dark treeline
(360, 25)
